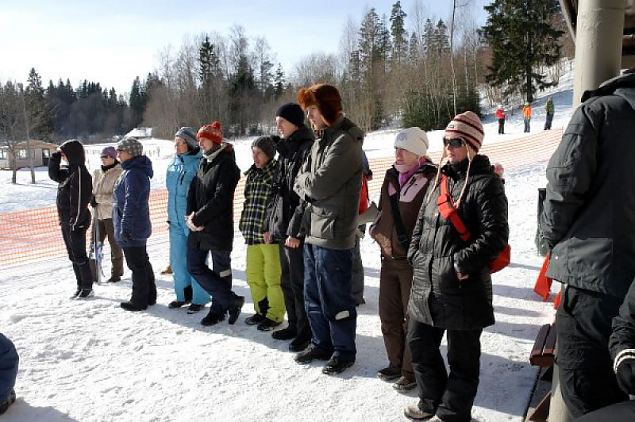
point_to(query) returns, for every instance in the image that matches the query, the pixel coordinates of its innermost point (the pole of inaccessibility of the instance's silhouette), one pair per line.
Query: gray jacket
(329, 185)
(588, 219)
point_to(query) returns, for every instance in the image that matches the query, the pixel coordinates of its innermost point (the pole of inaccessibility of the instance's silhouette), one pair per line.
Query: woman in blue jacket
(179, 176)
(131, 221)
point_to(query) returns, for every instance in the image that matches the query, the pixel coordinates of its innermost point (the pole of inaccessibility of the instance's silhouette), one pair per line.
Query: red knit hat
(467, 126)
(213, 132)
(325, 97)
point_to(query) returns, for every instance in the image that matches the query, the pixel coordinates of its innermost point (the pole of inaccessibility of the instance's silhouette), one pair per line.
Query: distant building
(140, 133)
(40, 151)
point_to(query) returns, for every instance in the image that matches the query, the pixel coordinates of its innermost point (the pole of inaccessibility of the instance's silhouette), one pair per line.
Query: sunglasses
(454, 142)
(105, 156)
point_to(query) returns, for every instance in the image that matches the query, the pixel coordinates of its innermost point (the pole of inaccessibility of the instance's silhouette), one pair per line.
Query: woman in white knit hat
(402, 193)
(452, 286)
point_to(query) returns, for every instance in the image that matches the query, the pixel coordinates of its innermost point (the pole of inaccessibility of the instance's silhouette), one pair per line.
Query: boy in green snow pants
(263, 258)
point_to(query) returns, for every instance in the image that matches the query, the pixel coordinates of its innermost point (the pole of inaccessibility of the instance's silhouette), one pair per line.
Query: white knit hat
(414, 140)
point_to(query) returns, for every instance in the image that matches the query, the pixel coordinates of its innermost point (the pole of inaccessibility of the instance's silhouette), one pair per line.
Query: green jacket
(329, 183)
(549, 108)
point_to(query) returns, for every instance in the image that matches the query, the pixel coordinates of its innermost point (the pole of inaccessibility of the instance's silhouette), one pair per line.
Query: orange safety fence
(34, 234)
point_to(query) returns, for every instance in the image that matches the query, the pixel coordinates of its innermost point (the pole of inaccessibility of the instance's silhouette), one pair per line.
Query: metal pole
(598, 57)
(598, 44)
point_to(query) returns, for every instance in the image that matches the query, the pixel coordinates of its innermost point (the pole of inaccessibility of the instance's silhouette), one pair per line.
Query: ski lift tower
(604, 36)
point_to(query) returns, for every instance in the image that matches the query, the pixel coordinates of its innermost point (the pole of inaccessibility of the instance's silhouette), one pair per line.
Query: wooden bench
(542, 355)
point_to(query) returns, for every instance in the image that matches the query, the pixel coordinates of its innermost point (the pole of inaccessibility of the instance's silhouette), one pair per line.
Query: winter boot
(213, 317)
(404, 384)
(234, 308)
(8, 401)
(413, 412)
(194, 308)
(299, 343)
(267, 325)
(113, 279)
(176, 304)
(129, 306)
(337, 364)
(389, 373)
(310, 353)
(85, 294)
(255, 319)
(77, 292)
(285, 334)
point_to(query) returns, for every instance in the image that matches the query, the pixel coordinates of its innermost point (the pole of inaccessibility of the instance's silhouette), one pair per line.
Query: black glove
(626, 375)
(57, 156)
(93, 201)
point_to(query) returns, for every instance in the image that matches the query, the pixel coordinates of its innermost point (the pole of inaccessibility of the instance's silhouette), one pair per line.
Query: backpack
(451, 214)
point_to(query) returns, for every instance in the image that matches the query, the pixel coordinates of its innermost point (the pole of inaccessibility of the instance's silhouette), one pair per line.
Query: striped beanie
(467, 126)
(213, 132)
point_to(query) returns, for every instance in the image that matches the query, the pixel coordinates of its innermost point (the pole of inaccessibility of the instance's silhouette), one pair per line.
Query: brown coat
(411, 195)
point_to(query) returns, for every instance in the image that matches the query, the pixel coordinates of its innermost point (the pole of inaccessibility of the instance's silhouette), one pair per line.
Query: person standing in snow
(589, 226)
(179, 176)
(550, 110)
(8, 372)
(452, 286)
(210, 218)
(263, 258)
(281, 227)
(329, 183)
(131, 221)
(104, 179)
(500, 116)
(402, 193)
(74, 192)
(527, 116)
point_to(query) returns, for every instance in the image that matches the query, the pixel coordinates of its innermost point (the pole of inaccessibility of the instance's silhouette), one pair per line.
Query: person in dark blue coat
(8, 372)
(131, 221)
(178, 179)
(74, 192)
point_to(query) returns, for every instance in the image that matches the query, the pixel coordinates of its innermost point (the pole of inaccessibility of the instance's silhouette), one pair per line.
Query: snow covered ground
(91, 361)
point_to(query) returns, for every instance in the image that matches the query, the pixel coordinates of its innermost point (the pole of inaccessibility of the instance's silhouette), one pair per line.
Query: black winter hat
(266, 144)
(292, 113)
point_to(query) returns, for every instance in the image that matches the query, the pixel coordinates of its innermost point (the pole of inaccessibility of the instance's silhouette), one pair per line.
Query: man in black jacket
(589, 224)
(292, 152)
(74, 192)
(210, 217)
(452, 286)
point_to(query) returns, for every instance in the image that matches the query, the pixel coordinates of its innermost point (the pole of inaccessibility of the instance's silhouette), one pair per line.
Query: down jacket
(75, 185)
(211, 199)
(438, 298)
(104, 179)
(588, 220)
(330, 182)
(131, 210)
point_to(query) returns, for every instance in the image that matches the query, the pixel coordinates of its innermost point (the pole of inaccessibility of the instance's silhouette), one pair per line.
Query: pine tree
(398, 33)
(522, 39)
(137, 101)
(38, 111)
(278, 82)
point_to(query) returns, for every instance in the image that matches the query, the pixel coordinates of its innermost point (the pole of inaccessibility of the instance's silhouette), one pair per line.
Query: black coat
(292, 153)
(211, 199)
(438, 298)
(588, 219)
(75, 185)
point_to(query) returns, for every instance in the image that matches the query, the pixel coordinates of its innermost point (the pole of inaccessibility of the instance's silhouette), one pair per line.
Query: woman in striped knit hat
(452, 287)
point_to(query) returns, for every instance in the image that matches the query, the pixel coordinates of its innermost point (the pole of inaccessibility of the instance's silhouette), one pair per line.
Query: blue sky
(112, 41)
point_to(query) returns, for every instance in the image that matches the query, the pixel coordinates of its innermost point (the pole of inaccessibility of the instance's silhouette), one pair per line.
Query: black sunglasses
(454, 142)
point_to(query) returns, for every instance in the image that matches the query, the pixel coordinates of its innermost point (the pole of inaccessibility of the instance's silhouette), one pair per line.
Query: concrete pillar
(598, 44)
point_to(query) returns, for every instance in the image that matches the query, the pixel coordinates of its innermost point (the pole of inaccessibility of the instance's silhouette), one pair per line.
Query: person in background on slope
(500, 116)
(180, 174)
(104, 179)
(263, 258)
(210, 218)
(9, 360)
(402, 193)
(527, 116)
(293, 149)
(131, 221)
(329, 183)
(452, 286)
(550, 110)
(74, 192)
(589, 226)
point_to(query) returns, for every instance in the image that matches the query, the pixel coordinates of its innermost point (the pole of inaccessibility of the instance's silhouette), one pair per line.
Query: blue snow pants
(8, 366)
(178, 261)
(328, 300)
